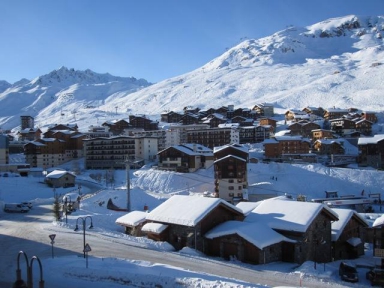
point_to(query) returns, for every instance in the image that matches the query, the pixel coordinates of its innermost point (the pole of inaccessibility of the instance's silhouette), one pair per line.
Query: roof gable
(187, 210)
(258, 234)
(56, 174)
(287, 214)
(345, 215)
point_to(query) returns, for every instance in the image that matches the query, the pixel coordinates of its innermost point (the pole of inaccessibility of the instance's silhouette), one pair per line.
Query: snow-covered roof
(229, 125)
(337, 110)
(344, 216)
(258, 234)
(49, 139)
(287, 215)
(58, 173)
(230, 156)
(247, 207)
(328, 141)
(36, 143)
(190, 150)
(236, 146)
(282, 133)
(29, 130)
(198, 147)
(289, 138)
(154, 227)
(378, 221)
(133, 218)
(186, 210)
(370, 140)
(77, 136)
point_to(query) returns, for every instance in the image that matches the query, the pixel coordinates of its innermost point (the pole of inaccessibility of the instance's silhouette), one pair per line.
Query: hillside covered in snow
(334, 63)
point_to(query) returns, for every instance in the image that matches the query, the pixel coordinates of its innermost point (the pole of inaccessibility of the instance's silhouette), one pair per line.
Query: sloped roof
(230, 156)
(247, 207)
(288, 215)
(183, 149)
(156, 228)
(378, 221)
(56, 174)
(236, 146)
(133, 218)
(258, 234)
(187, 210)
(370, 140)
(344, 216)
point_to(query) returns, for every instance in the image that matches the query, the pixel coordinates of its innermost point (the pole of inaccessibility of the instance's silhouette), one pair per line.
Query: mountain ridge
(333, 63)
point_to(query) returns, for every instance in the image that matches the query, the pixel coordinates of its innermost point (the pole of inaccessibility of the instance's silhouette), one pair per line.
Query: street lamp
(19, 283)
(66, 207)
(84, 221)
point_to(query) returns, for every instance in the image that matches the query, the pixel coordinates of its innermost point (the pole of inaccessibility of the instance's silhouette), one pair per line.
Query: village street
(30, 233)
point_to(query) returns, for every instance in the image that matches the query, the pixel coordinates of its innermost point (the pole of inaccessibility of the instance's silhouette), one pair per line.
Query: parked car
(376, 276)
(27, 204)
(348, 272)
(15, 208)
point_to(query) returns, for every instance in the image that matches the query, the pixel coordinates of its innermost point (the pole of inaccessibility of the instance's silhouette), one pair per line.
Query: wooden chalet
(334, 113)
(342, 126)
(141, 121)
(348, 235)
(29, 134)
(328, 147)
(72, 127)
(185, 158)
(60, 178)
(371, 151)
(183, 221)
(117, 127)
(308, 224)
(253, 243)
(280, 145)
(364, 127)
(321, 134)
(133, 223)
(370, 116)
(268, 121)
(318, 111)
(264, 110)
(171, 117)
(214, 120)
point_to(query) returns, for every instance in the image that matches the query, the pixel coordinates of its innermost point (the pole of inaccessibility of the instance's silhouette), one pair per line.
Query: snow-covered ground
(150, 188)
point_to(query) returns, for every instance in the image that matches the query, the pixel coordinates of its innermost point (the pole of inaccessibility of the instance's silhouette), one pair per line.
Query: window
(231, 188)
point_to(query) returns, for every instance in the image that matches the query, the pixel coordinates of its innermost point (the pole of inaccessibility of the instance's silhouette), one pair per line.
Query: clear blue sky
(150, 39)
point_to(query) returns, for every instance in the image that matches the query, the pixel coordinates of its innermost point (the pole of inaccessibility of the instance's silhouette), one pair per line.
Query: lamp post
(19, 283)
(66, 207)
(84, 221)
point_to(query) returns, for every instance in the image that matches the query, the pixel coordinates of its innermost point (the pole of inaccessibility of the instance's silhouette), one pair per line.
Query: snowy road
(30, 233)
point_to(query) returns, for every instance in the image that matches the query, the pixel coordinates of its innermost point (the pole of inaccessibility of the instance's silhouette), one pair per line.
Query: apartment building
(214, 137)
(112, 152)
(231, 177)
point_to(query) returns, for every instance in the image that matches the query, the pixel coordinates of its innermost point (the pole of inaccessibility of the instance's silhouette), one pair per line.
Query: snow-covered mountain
(335, 63)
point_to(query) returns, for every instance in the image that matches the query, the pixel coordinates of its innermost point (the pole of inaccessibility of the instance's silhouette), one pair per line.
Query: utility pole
(127, 168)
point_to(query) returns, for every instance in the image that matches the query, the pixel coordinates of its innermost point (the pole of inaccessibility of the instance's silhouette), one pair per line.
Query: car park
(348, 272)
(376, 276)
(18, 208)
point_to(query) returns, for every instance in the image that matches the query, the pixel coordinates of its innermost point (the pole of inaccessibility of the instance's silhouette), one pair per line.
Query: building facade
(214, 137)
(4, 149)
